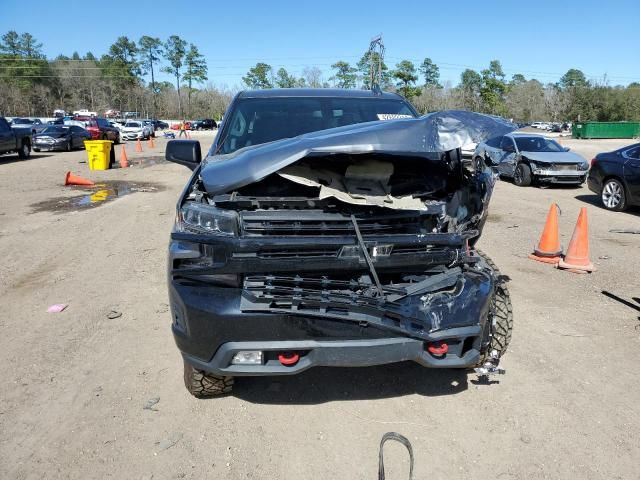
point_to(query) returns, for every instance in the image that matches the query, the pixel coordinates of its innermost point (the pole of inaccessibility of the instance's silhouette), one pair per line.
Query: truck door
(631, 171)
(7, 139)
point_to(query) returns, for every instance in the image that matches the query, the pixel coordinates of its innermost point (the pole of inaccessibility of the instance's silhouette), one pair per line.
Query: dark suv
(204, 124)
(314, 234)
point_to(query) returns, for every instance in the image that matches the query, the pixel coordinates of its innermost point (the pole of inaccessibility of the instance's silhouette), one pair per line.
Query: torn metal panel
(365, 183)
(424, 136)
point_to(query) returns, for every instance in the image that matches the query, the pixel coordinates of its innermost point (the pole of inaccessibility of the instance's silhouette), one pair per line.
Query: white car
(135, 130)
(83, 112)
(541, 125)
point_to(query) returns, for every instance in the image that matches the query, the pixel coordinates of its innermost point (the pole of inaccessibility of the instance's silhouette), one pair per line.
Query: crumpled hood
(554, 157)
(429, 134)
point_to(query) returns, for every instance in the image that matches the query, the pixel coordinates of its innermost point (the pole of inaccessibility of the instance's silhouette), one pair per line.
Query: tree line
(572, 98)
(31, 84)
(124, 78)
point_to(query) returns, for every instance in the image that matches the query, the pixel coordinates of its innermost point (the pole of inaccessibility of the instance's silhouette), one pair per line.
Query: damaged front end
(332, 257)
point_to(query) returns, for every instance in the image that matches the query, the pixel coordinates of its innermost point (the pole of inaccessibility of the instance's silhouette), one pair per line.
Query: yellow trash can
(98, 154)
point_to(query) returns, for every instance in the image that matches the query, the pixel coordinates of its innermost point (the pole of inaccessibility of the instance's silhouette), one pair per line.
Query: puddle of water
(99, 194)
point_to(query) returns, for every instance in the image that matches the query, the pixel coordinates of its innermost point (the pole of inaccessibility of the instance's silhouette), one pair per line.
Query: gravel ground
(96, 391)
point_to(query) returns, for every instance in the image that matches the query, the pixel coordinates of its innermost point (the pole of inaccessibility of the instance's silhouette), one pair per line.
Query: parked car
(151, 128)
(615, 177)
(531, 158)
(99, 128)
(83, 112)
(60, 137)
(35, 124)
(135, 130)
(15, 139)
(333, 248)
(540, 125)
(204, 124)
(160, 125)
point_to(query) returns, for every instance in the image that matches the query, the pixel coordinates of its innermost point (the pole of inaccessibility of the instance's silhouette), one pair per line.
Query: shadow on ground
(322, 385)
(594, 200)
(13, 158)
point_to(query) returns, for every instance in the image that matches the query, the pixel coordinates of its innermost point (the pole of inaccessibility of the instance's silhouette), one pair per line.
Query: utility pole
(375, 68)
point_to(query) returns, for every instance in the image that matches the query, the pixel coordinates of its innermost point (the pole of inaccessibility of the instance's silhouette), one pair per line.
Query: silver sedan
(531, 158)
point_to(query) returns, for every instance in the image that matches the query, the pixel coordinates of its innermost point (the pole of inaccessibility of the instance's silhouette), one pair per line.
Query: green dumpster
(606, 129)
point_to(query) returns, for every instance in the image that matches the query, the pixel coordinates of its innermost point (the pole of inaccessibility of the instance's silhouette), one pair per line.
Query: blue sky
(540, 39)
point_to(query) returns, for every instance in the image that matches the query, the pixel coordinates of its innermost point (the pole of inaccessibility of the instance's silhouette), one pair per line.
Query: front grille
(292, 252)
(558, 167)
(264, 223)
(274, 288)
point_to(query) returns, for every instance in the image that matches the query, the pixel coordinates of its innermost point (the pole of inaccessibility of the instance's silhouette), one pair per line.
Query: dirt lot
(74, 385)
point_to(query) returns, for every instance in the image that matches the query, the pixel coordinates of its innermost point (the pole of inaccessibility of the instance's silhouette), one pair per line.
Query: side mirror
(184, 152)
(566, 149)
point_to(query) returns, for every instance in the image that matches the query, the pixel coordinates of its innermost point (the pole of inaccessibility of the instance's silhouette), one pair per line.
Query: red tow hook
(438, 349)
(288, 359)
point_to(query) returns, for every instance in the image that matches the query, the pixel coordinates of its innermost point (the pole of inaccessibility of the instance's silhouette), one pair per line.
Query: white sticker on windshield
(392, 116)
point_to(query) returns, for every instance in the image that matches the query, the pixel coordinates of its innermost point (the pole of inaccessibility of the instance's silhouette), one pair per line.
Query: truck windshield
(261, 120)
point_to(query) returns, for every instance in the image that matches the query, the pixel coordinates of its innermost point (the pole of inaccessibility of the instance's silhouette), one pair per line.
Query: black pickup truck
(16, 140)
(333, 228)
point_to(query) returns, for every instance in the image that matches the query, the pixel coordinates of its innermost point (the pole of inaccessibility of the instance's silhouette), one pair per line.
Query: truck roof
(317, 92)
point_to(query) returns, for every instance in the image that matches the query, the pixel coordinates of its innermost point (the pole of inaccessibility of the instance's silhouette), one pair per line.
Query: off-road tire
(522, 175)
(204, 385)
(502, 313)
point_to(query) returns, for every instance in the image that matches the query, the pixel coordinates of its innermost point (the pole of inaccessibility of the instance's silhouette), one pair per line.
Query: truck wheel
(502, 314)
(25, 151)
(204, 385)
(522, 175)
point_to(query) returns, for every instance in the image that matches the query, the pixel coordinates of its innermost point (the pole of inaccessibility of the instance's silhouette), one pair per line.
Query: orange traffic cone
(124, 160)
(577, 258)
(549, 249)
(153, 145)
(71, 179)
(138, 146)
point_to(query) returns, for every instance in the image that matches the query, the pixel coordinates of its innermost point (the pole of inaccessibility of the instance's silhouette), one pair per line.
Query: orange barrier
(124, 160)
(549, 249)
(577, 258)
(71, 179)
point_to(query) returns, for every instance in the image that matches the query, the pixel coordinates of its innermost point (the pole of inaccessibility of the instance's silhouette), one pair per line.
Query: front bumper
(211, 323)
(576, 177)
(133, 135)
(338, 353)
(50, 146)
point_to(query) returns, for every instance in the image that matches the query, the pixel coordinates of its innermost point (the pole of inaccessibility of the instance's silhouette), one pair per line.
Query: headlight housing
(200, 218)
(583, 166)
